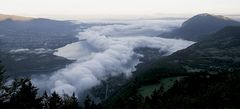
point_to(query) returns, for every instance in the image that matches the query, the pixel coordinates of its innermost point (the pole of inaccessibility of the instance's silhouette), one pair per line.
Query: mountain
(36, 39)
(38, 25)
(198, 27)
(14, 17)
(23, 32)
(197, 74)
(219, 52)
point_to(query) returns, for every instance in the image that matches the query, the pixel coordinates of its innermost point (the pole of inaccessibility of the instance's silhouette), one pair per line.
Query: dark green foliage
(2, 77)
(2, 86)
(134, 101)
(45, 100)
(71, 102)
(26, 97)
(55, 101)
(211, 68)
(21, 94)
(207, 91)
(89, 104)
(202, 91)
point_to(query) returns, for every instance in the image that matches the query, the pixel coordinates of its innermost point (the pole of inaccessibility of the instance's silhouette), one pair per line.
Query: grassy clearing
(167, 83)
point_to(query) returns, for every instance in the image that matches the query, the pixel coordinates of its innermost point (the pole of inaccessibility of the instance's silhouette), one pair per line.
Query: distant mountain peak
(216, 16)
(204, 18)
(199, 26)
(209, 15)
(14, 18)
(204, 14)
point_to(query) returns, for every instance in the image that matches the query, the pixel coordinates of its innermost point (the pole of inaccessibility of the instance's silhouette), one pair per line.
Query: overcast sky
(116, 8)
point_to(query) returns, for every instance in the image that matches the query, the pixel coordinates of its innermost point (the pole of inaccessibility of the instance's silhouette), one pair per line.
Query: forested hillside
(204, 75)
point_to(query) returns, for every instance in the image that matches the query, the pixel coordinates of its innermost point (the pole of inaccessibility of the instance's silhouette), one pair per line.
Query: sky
(84, 9)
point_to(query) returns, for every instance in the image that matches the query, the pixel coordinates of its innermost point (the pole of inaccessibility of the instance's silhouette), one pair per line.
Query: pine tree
(26, 97)
(2, 77)
(55, 101)
(75, 103)
(45, 100)
(70, 102)
(2, 86)
(89, 104)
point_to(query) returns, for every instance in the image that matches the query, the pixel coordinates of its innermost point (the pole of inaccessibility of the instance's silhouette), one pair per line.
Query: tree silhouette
(2, 86)
(26, 97)
(89, 104)
(45, 100)
(75, 103)
(55, 101)
(2, 77)
(70, 102)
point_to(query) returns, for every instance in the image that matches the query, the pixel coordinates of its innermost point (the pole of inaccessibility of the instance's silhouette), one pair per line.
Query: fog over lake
(106, 49)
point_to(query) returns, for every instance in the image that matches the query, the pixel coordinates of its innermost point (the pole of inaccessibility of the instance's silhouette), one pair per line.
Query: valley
(125, 64)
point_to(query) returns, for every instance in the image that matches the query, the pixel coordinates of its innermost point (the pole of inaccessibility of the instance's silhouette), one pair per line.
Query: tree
(45, 100)
(70, 102)
(26, 97)
(135, 101)
(55, 101)
(89, 104)
(2, 84)
(75, 103)
(2, 77)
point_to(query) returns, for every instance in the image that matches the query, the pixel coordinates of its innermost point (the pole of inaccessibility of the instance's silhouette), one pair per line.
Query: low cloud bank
(31, 51)
(105, 51)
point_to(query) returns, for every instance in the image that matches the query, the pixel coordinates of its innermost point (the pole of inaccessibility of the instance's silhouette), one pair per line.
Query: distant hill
(18, 33)
(219, 52)
(25, 32)
(38, 25)
(194, 75)
(198, 27)
(13, 17)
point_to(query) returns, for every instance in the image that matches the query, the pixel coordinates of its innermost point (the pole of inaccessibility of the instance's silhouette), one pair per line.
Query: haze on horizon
(88, 9)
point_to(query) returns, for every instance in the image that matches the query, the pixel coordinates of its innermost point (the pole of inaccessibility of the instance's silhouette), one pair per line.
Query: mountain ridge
(34, 33)
(188, 75)
(14, 17)
(200, 26)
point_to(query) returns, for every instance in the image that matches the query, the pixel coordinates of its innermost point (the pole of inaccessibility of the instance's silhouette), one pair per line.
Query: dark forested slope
(209, 72)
